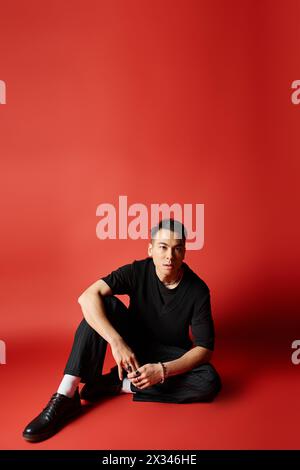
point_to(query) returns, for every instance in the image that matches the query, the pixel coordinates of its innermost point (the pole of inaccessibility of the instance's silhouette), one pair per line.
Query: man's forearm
(188, 361)
(93, 310)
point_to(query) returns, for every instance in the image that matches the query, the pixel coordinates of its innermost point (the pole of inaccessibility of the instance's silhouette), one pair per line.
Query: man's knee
(113, 305)
(84, 329)
(113, 308)
(116, 312)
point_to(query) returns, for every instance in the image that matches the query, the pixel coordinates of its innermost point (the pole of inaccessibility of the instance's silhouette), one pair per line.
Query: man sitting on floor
(156, 360)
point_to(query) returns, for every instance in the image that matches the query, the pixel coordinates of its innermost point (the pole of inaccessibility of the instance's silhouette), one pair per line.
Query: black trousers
(87, 356)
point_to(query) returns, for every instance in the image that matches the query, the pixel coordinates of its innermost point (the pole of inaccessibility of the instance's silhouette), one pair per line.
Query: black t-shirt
(165, 315)
(165, 293)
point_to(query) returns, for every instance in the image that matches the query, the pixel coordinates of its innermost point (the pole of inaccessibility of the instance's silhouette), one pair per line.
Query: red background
(162, 101)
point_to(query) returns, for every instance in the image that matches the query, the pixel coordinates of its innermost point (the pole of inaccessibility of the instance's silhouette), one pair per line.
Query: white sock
(126, 386)
(68, 385)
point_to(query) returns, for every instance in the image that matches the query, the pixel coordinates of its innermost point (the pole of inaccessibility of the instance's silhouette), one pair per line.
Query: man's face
(167, 251)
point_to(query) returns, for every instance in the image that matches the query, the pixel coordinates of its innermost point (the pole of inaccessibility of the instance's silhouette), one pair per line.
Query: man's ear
(150, 249)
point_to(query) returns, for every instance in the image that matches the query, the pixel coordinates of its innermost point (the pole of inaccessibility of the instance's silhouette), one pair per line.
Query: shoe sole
(47, 435)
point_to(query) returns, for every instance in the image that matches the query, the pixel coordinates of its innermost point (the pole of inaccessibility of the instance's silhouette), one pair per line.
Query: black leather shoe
(104, 385)
(53, 417)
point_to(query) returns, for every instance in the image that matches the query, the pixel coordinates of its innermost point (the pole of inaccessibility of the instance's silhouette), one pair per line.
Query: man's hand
(124, 357)
(146, 376)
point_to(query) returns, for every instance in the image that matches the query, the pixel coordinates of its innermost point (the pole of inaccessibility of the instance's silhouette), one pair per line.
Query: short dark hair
(172, 225)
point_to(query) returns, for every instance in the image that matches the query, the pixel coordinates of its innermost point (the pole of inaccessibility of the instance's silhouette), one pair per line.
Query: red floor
(257, 409)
